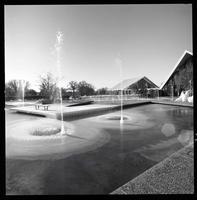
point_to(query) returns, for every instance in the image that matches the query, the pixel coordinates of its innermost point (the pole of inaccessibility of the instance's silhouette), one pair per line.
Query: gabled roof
(181, 60)
(127, 82)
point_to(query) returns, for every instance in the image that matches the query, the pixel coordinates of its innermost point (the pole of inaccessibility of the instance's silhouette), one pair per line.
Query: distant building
(180, 78)
(137, 85)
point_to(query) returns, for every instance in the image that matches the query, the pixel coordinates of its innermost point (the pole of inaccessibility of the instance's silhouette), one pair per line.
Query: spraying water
(59, 41)
(121, 100)
(119, 63)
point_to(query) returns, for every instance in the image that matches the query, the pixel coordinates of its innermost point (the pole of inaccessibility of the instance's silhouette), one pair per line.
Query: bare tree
(14, 88)
(73, 86)
(102, 91)
(48, 87)
(85, 88)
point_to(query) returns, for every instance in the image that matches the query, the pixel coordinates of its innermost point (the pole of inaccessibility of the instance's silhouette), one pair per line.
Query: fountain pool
(42, 139)
(100, 155)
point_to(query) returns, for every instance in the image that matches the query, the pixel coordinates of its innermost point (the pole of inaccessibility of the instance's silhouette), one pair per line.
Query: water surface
(151, 133)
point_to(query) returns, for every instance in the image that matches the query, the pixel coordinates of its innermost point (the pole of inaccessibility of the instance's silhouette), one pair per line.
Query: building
(138, 85)
(180, 78)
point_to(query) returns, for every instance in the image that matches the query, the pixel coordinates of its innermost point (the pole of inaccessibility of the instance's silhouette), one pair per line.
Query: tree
(102, 91)
(65, 93)
(85, 88)
(48, 87)
(14, 88)
(9, 92)
(31, 92)
(73, 86)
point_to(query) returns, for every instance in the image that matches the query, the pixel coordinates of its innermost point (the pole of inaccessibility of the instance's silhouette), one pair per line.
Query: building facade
(135, 86)
(181, 77)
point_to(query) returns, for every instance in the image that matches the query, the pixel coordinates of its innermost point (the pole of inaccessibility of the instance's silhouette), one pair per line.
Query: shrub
(44, 101)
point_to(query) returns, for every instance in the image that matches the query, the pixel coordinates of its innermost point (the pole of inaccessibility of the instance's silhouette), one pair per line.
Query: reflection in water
(185, 137)
(121, 137)
(180, 112)
(122, 147)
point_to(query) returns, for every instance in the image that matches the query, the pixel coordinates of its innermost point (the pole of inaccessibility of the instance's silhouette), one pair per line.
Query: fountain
(32, 137)
(23, 84)
(119, 63)
(59, 41)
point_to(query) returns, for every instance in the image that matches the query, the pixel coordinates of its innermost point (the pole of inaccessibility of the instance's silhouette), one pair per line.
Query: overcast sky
(148, 38)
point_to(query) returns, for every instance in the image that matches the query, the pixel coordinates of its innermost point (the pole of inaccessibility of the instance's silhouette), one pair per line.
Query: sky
(149, 40)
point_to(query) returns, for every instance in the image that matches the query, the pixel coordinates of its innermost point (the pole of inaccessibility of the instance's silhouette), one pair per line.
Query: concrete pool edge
(77, 113)
(172, 103)
(173, 175)
(98, 111)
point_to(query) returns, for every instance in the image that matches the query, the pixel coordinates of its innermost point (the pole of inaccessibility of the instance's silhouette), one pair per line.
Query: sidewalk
(174, 175)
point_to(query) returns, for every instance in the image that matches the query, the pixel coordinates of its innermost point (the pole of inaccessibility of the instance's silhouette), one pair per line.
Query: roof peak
(176, 65)
(189, 52)
(126, 82)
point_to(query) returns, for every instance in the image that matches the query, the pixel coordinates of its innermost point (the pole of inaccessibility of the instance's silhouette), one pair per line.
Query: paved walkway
(174, 175)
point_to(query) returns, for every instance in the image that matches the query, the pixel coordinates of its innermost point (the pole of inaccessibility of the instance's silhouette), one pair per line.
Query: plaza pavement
(173, 175)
